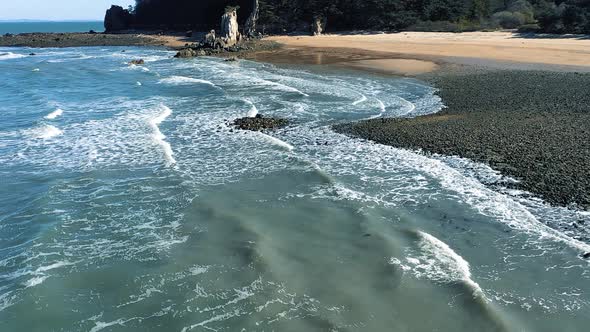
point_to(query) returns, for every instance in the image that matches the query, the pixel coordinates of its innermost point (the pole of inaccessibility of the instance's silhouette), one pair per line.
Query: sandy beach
(491, 49)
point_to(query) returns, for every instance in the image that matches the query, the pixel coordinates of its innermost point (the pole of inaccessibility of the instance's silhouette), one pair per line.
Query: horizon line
(23, 20)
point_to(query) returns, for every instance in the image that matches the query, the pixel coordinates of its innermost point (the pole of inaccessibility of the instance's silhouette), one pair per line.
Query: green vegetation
(278, 16)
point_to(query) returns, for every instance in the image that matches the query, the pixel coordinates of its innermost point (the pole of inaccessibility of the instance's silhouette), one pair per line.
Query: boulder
(319, 25)
(117, 19)
(186, 53)
(229, 27)
(231, 59)
(137, 62)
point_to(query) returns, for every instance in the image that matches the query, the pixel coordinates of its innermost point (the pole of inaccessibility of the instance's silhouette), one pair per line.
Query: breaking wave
(183, 80)
(253, 110)
(10, 55)
(53, 115)
(158, 137)
(44, 132)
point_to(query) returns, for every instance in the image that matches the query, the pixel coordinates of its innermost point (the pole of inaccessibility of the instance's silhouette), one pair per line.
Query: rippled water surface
(128, 204)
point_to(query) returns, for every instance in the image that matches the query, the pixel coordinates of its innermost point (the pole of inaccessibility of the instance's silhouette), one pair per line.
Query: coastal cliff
(311, 16)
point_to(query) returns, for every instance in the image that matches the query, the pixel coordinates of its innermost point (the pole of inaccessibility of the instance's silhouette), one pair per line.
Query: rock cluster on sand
(191, 53)
(259, 123)
(230, 39)
(534, 126)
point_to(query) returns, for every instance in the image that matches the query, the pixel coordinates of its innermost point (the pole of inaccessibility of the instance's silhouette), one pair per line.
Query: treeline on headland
(280, 16)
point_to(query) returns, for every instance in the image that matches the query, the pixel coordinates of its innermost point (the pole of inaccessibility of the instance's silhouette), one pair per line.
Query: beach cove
(131, 200)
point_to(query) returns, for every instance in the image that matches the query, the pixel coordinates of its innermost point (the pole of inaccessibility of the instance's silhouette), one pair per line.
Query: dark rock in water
(259, 123)
(32, 54)
(191, 52)
(186, 53)
(231, 59)
(586, 255)
(137, 62)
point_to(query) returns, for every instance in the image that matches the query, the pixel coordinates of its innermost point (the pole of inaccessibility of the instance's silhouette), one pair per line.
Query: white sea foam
(358, 101)
(53, 266)
(277, 142)
(382, 109)
(44, 132)
(283, 87)
(157, 135)
(253, 110)
(381, 106)
(36, 69)
(103, 325)
(138, 83)
(10, 55)
(411, 105)
(35, 281)
(183, 80)
(54, 114)
(196, 270)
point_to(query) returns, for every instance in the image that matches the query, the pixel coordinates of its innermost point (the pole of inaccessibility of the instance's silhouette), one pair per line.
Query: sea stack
(229, 27)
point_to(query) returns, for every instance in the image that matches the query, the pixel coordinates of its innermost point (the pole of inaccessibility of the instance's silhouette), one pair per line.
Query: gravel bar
(531, 125)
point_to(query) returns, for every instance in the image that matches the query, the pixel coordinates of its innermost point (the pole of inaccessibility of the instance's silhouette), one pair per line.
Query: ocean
(128, 203)
(69, 26)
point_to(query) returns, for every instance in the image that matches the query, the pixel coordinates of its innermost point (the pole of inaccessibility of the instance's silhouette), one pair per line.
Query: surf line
(158, 137)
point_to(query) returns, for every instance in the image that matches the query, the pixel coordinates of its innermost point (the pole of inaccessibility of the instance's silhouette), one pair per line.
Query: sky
(57, 10)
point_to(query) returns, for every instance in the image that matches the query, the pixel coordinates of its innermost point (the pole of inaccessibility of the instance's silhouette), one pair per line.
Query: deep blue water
(127, 203)
(73, 26)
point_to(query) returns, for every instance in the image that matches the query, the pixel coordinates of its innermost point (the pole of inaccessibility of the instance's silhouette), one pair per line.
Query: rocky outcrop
(250, 28)
(190, 53)
(137, 62)
(319, 25)
(229, 28)
(117, 19)
(209, 40)
(259, 123)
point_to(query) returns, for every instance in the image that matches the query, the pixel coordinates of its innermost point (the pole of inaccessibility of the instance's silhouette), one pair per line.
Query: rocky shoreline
(533, 126)
(59, 40)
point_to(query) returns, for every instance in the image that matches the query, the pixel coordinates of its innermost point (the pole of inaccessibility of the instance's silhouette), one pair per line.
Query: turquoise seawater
(128, 204)
(73, 26)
